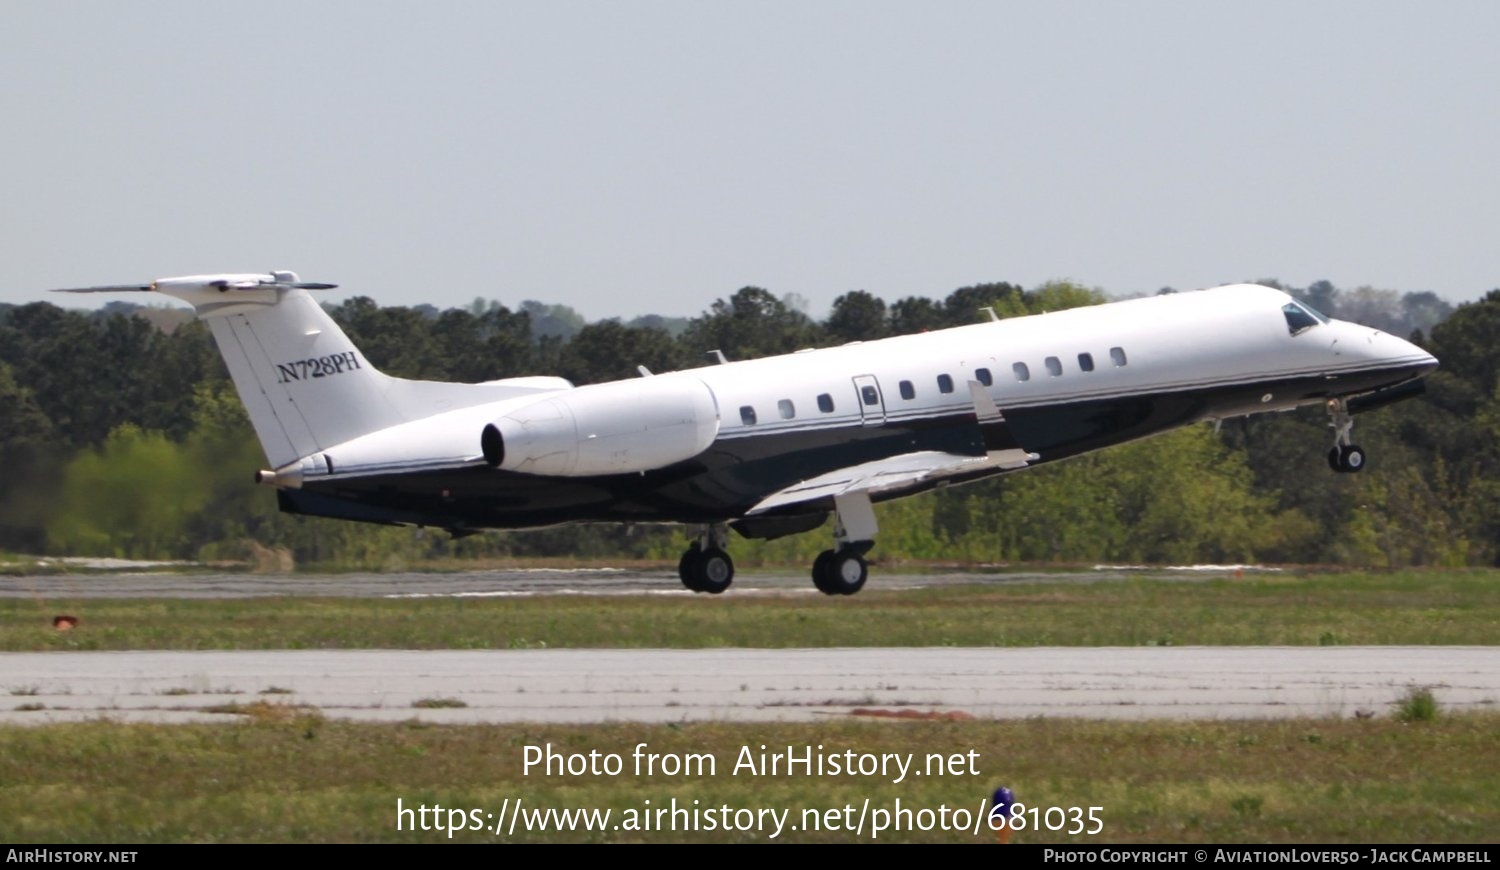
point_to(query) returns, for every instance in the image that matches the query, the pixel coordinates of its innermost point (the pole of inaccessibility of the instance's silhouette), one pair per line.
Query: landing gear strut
(1344, 456)
(843, 570)
(706, 567)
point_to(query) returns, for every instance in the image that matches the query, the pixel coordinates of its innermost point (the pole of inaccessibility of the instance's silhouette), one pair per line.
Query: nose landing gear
(1344, 456)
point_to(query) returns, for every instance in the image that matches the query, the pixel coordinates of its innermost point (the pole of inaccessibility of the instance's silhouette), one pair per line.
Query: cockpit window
(1299, 318)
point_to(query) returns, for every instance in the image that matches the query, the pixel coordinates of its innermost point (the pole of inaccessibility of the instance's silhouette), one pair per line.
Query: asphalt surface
(586, 686)
(521, 582)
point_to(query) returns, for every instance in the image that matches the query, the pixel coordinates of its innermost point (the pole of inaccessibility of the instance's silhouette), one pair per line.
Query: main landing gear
(843, 570)
(1344, 456)
(706, 567)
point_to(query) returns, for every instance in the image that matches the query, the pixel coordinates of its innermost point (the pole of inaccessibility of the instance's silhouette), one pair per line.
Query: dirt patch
(908, 713)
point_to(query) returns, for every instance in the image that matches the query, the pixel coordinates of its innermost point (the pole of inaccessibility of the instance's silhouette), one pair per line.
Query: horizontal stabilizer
(222, 283)
(258, 285)
(109, 288)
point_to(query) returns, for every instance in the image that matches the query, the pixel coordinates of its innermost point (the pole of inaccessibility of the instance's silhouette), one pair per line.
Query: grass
(1417, 705)
(287, 775)
(1409, 607)
(438, 703)
(266, 712)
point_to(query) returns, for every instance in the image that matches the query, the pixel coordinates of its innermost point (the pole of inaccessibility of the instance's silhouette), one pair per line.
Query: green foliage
(552, 321)
(751, 323)
(1466, 344)
(610, 351)
(1061, 295)
(857, 316)
(1417, 705)
(1179, 497)
(132, 497)
(24, 427)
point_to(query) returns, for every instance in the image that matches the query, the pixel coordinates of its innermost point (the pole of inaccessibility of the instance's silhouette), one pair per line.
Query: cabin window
(786, 409)
(870, 395)
(983, 376)
(1086, 361)
(1298, 319)
(1118, 355)
(1054, 366)
(945, 384)
(747, 415)
(825, 403)
(908, 392)
(1023, 373)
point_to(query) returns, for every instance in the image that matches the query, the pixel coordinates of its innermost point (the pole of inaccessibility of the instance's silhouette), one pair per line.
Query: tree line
(120, 434)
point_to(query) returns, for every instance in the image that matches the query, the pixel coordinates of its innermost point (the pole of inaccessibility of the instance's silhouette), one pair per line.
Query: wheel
(687, 567)
(821, 572)
(840, 573)
(713, 571)
(1347, 458)
(847, 573)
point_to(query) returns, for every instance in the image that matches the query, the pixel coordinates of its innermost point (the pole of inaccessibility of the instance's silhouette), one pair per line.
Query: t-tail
(305, 385)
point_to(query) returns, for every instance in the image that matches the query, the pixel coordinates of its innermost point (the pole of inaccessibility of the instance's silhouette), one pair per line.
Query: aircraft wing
(893, 473)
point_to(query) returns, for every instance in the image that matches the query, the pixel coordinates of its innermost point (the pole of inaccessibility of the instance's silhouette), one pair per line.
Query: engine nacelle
(614, 428)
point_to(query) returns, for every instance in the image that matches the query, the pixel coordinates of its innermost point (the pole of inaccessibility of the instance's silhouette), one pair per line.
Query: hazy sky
(649, 157)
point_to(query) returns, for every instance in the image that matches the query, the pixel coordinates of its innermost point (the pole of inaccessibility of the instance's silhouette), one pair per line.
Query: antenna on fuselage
(718, 355)
(990, 310)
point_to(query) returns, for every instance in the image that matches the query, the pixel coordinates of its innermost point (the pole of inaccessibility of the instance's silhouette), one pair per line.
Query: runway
(521, 582)
(585, 686)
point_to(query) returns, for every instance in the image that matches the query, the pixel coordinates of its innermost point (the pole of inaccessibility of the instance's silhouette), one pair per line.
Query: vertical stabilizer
(304, 383)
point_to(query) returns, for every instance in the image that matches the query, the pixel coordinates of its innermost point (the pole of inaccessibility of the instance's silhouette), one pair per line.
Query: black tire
(1336, 458)
(687, 567)
(713, 571)
(821, 572)
(841, 573)
(1352, 458)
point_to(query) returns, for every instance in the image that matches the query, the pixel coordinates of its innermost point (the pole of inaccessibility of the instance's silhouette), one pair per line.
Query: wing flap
(888, 474)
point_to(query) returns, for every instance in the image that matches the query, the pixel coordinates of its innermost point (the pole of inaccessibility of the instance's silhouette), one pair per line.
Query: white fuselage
(1191, 343)
(769, 446)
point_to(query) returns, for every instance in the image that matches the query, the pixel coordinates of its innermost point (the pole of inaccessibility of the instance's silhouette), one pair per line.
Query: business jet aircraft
(770, 446)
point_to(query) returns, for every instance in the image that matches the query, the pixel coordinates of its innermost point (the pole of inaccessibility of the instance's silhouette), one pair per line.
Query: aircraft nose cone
(1390, 351)
(1424, 361)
